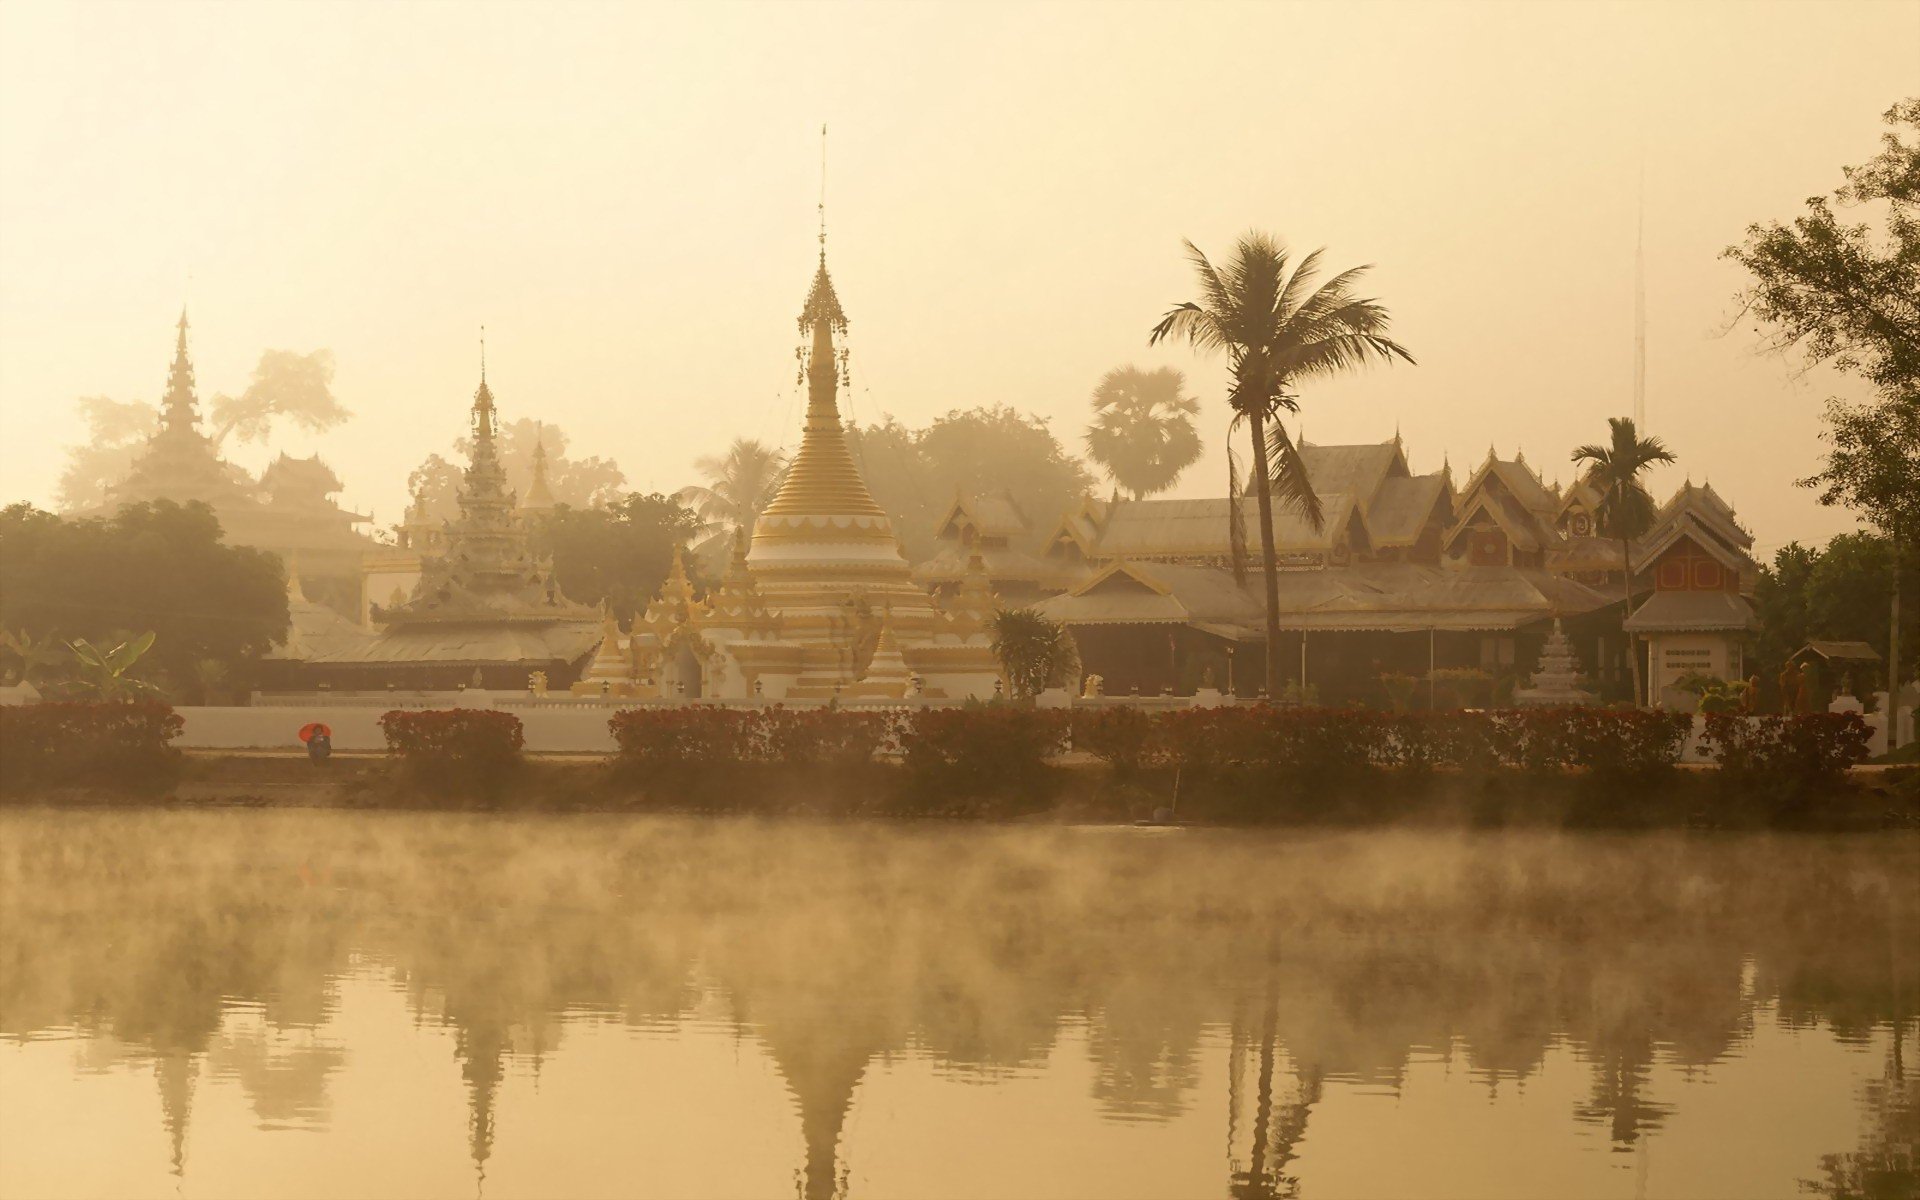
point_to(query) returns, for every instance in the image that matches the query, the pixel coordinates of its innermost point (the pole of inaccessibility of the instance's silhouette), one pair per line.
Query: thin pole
(1430, 662)
(1893, 658)
(1303, 666)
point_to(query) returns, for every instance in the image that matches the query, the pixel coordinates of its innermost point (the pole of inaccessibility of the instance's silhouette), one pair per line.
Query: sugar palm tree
(1142, 431)
(739, 484)
(1279, 327)
(1626, 507)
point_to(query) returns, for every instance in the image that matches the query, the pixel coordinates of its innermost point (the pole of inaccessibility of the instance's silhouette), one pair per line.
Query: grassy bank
(1073, 792)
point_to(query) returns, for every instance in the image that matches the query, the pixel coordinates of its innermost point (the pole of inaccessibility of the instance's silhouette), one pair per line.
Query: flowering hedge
(707, 735)
(1322, 742)
(1807, 746)
(979, 749)
(476, 739)
(116, 744)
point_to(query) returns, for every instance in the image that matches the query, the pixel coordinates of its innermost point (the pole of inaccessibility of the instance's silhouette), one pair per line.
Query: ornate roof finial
(483, 354)
(823, 194)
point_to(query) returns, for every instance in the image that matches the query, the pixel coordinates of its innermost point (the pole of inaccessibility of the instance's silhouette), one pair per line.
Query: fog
(194, 943)
(625, 197)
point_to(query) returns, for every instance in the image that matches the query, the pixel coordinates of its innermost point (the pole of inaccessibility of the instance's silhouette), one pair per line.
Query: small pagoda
(486, 611)
(289, 510)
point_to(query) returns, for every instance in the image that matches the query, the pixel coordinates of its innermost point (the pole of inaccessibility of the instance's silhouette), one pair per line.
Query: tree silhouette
(1142, 433)
(1626, 508)
(1278, 328)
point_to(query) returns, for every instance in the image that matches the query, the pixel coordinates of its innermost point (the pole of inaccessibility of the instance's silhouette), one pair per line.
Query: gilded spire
(823, 480)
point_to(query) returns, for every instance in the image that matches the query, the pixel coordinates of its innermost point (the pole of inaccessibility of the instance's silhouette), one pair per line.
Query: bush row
(1318, 742)
(120, 745)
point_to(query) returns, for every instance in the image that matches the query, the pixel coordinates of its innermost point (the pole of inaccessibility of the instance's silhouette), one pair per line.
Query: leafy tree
(115, 432)
(1626, 507)
(577, 482)
(159, 567)
(619, 553)
(739, 484)
(1142, 431)
(1847, 293)
(915, 474)
(1279, 328)
(1837, 591)
(286, 386)
(1034, 652)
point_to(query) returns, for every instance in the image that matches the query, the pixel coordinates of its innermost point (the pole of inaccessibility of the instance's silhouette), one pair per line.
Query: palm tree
(1278, 328)
(739, 484)
(1142, 431)
(1626, 507)
(1035, 653)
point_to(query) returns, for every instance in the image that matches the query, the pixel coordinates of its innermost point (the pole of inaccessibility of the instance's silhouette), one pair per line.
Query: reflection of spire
(822, 1070)
(480, 1051)
(176, 1072)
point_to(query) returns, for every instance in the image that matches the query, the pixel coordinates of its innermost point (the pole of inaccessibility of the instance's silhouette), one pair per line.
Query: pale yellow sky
(624, 196)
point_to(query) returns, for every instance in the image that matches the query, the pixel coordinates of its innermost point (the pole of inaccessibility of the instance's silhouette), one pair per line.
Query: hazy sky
(624, 196)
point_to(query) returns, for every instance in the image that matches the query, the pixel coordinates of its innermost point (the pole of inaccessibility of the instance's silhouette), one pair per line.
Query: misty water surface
(335, 1004)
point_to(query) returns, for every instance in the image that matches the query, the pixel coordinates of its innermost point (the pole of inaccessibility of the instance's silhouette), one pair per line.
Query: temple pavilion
(1409, 573)
(289, 510)
(820, 603)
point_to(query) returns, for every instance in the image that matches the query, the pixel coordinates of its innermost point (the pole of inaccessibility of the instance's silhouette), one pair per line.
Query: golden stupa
(822, 604)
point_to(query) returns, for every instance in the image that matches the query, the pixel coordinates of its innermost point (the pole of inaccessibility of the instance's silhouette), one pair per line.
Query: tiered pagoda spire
(180, 407)
(823, 480)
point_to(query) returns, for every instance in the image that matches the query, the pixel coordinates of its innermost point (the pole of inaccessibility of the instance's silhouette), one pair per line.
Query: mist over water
(334, 1004)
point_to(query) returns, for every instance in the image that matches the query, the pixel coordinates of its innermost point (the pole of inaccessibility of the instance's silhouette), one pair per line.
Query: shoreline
(1871, 797)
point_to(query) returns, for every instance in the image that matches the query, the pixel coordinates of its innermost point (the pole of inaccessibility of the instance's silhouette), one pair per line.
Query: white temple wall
(1673, 656)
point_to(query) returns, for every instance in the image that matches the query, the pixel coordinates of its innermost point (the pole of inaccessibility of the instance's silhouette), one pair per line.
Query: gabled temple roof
(994, 514)
(1692, 612)
(1402, 505)
(1357, 471)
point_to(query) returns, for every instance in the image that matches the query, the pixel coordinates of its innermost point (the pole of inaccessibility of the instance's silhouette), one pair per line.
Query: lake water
(334, 1004)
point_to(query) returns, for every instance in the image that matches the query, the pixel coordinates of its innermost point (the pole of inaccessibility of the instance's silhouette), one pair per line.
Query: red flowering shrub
(708, 735)
(467, 740)
(113, 744)
(991, 751)
(698, 734)
(818, 736)
(1124, 737)
(1799, 748)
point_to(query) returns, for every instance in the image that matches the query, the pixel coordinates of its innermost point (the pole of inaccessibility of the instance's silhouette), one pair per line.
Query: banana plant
(38, 656)
(102, 674)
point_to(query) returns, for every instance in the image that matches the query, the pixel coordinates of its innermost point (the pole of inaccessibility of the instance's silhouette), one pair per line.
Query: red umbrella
(307, 731)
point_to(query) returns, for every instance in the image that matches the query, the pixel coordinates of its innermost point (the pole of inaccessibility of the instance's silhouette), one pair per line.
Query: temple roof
(1692, 612)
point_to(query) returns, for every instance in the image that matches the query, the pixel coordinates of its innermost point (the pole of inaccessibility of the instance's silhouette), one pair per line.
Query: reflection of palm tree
(1142, 431)
(1278, 328)
(739, 484)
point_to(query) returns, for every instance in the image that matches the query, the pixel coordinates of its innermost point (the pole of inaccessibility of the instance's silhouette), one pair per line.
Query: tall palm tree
(1279, 328)
(1626, 507)
(739, 484)
(1142, 431)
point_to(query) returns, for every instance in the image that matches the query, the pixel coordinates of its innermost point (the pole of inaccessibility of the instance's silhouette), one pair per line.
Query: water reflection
(215, 947)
